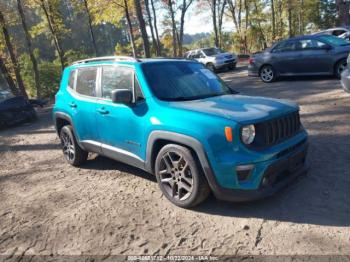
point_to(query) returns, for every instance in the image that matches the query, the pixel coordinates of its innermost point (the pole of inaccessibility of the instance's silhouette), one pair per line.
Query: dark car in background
(300, 56)
(15, 109)
(345, 77)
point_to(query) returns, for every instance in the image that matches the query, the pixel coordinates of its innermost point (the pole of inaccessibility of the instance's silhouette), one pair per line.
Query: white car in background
(213, 58)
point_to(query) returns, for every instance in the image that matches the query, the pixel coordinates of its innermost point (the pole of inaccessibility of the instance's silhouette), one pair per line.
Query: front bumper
(277, 175)
(226, 63)
(345, 80)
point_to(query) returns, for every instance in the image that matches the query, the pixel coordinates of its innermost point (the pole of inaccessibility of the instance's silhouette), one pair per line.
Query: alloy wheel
(68, 147)
(175, 176)
(267, 74)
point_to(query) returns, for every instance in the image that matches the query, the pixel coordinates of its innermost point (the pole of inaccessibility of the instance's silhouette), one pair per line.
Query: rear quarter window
(86, 81)
(71, 80)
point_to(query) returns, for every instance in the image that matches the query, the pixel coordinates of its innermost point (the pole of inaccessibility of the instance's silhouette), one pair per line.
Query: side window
(285, 47)
(114, 77)
(86, 81)
(338, 32)
(71, 80)
(310, 44)
(138, 92)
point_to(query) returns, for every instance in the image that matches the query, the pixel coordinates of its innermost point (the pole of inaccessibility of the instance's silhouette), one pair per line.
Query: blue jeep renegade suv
(178, 120)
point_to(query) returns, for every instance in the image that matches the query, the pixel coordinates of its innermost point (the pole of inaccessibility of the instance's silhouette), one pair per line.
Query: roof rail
(107, 58)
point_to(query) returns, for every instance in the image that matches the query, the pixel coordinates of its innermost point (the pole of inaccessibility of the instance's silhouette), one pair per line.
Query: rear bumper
(345, 80)
(277, 176)
(253, 71)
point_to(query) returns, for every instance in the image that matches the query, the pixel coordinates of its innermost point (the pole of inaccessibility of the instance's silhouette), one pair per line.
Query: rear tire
(267, 74)
(339, 68)
(72, 152)
(179, 176)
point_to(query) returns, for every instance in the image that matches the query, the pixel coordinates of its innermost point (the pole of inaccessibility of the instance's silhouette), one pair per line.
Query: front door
(120, 126)
(285, 57)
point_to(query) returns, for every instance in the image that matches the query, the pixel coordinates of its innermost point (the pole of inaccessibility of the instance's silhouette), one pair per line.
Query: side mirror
(122, 96)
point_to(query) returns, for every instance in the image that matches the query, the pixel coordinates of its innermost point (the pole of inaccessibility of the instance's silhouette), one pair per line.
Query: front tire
(340, 67)
(179, 177)
(211, 67)
(72, 152)
(267, 74)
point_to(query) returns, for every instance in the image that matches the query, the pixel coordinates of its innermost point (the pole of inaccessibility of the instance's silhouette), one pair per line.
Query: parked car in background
(346, 36)
(345, 77)
(179, 121)
(213, 58)
(337, 31)
(299, 56)
(15, 110)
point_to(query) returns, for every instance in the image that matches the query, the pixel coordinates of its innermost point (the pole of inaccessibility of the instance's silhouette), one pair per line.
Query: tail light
(251, 60)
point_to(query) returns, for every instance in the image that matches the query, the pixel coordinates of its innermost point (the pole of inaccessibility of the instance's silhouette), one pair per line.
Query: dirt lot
(105, 207)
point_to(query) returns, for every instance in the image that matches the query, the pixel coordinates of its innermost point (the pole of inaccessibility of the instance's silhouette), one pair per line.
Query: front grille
(276, 130)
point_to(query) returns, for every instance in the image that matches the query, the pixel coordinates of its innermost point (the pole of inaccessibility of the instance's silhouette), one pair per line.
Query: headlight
(248, 134)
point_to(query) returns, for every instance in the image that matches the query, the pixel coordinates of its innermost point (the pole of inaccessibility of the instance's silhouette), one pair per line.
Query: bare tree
(142, 26)
(184, 7)
(154, 41)
(273, 20)
(343, 10)
(48, 14)
(173, 26)
(13, 57)
(30, 49)
(5, 72)
(90, 26)
(156, 27)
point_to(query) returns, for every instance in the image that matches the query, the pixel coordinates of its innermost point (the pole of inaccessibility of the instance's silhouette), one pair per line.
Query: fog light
(243, 172)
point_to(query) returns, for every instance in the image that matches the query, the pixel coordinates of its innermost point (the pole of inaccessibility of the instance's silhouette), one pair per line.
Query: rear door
(82, 103)
(285, 57)
(316, 58)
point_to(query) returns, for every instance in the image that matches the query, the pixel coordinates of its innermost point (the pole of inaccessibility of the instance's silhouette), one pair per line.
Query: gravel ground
(105, 207)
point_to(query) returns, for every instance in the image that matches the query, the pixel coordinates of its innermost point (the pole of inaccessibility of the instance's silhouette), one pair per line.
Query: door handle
(73, 105)
(103, 111)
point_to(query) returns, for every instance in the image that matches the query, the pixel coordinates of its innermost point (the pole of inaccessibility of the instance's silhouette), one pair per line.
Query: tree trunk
(53, 33)
(30, 49)
(246, 7)
(273, 20)
(142, 25)
(221, 17)
(154, 41)
(184, 8)
(290, 26)
(159, 46)
(343, 10)
(131, 33)
(90, 27)
(13, 57)
(173, 25)
(8, 78)
(214, 17)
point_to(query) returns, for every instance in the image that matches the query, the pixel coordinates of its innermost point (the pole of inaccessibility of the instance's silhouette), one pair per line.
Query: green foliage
(50, 74)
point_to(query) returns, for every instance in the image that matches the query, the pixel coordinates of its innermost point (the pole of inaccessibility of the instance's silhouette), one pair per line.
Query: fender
(185, 140)
(65, 116)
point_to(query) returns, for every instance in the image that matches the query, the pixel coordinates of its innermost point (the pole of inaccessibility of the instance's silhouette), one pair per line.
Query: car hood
(239, 108)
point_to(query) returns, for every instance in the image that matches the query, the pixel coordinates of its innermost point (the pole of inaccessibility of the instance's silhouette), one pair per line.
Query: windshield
(5, 95)
(334, 40)
(212, 51)
(181, 81)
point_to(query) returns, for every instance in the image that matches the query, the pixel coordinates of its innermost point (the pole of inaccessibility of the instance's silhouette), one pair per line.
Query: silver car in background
(345, 77)
(213, 58)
